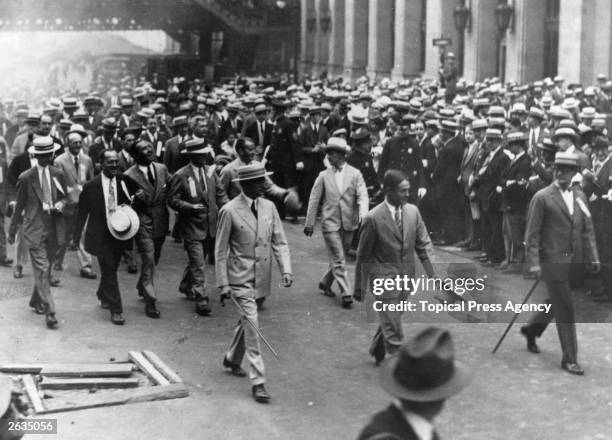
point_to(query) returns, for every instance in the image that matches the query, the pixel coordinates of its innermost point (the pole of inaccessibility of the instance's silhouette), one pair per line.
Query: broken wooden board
(103, 382)
(70, 370)
(162, 367)
(32, 392)
(143, 394)
(148, 368)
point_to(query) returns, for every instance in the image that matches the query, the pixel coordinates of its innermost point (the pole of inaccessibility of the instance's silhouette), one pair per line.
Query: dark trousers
(193, 276)
(514, 226)
(563, 311)
(149, 250)
(430, 215)
(42, 258)
(108, 289)
(285, 178)
(451, 216)
(492, 235)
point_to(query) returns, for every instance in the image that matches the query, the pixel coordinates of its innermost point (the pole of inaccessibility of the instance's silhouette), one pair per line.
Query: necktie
(76, 163)
(261, 133)
(150, 175)
(533, 138)
(254, 209)
(203, 180)
(112, 202)
(46, 188)
(398, 218)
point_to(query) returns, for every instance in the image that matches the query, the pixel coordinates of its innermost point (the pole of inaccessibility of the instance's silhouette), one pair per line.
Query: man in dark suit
(98, 201)
(233, 124)
(260, 130)
(312, 138)
(196, 194)
(420, 378)
(448, 192)
(107, 141)
(390, 236)
(559, 234)
(173, 159)
(41, 198)
(429, 157)
(156, 137)
(147, 181)
(4, 200)
(537, 130)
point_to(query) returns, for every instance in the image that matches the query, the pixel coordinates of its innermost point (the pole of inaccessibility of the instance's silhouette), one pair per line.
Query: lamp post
(504, 20)
(462, 17)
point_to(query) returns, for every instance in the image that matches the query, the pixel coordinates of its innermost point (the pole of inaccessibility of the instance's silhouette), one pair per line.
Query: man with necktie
(250, 233)
(41, 198)
(343, 192)
(196, 194)
(390, 236)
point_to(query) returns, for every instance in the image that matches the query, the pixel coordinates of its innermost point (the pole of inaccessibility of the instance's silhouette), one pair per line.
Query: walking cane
(255, 327)
(535, 284)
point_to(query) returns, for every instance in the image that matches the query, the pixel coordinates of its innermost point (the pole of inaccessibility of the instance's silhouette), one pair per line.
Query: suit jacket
(74, 179)
(252, 131)
(389, 424)
(384, 250)
(515, 197)
(151, 208)
(92, 206)
(18, 165)
(430, 160)
(233, 189)
(403, 153)
(39, 225)
(554, 239)
(307, 139)
(245, 245)
(226, 127)
(173, 159)
(186, 191)
(490, 179)
(470, 157)
(285, 150)
(448, 168)
(341, 210)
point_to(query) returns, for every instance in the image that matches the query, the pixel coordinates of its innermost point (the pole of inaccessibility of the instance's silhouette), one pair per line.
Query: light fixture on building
(462, 16)
(280, 4)
(325, 23)
(311, 24)
(504, 17)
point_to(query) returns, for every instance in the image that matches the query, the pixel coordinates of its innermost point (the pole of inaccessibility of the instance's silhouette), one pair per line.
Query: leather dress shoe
(260, 394)
(58, 266)
(151, 310)
(378, 358)
(203, 308)
(51, 321)
(117, 319)
(6, 262)
(86, 272)
(347, 302)
(188, 294)
(104, 305)
(18, 272)
(327, 291)
(54, 282)
(260, 302)
(236, 370)
(532, 346)
(572, 368)
(132, 269)
(39, 309)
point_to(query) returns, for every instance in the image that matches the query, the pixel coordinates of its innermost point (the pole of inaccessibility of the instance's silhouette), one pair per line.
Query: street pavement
(325, 385)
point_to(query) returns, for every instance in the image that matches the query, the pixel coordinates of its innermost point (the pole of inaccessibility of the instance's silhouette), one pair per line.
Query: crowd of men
(97, 174)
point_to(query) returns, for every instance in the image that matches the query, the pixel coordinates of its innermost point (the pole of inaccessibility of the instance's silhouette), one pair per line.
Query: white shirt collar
(247, 199)
(392, 208)
(420, 425)
(519, 155)
(144, 169)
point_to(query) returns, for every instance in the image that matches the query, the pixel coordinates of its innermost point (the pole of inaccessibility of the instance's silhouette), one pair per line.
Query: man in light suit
(196, 194)
(390, 235)
(147, 181)
(250, 233)
(41, 198)
(343, 192)
(78, 169)
(559, 233)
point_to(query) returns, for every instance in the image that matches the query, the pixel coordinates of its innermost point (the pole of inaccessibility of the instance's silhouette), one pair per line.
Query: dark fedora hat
(424, 369)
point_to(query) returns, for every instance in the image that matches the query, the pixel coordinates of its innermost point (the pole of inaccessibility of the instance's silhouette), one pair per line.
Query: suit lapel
(556, 194)
(331, 175)
(69, 162)
(143, 180)
(36, 184)
(244, 211)
(345, 179)
(386, 215)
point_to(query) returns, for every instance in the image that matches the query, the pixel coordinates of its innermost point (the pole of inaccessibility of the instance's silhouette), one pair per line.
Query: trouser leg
(146, 249)
(85, 258)
(108, 290)
(195, 272)
(248, 313)
(41, 270)
(391, 328)
(235, 353)
(337, 244)
(565, 317)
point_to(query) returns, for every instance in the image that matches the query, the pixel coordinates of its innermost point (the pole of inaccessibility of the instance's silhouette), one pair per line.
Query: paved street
(325, 384)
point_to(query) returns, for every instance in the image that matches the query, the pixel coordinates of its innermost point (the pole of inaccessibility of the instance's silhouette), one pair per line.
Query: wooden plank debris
(142, 394)
(103, 382)
(162, 367)
(70, 370)
(146, 366)
(32, 392)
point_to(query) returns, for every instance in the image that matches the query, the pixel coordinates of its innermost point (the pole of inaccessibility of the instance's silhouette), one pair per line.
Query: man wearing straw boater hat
(105, 205)
(196, 194)
(249, 234)
(41, 198)
(420, 378)
(559, 233)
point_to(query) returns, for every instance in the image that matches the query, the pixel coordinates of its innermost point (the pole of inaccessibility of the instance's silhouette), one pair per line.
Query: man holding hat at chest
(196, 194)
(559, 233)
(111, 223)
(250, 232)
(41, 198)
(343, 192)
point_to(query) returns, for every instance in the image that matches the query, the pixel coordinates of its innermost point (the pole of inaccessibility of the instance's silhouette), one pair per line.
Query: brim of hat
(363, 122)
(266, 174)
(202, 150)
(575, 137)
(134, 225)
(82, 133)
(461, 378)
(32, 150)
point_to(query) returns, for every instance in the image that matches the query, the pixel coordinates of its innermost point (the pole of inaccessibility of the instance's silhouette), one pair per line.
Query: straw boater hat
(123, 223)
(195, 146)
(424, 369)
(78, 128)
(564, 159)
(337, 144)
(252, 171)
(43, 145)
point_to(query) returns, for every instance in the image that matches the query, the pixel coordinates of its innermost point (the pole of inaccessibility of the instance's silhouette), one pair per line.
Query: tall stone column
(356, 38)
(480, 41)
(595, 56)
(322, 36)
(307, 13)
(408, 39)
(440, 24)
(335, 55)
(571, 26)
(380, 38)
